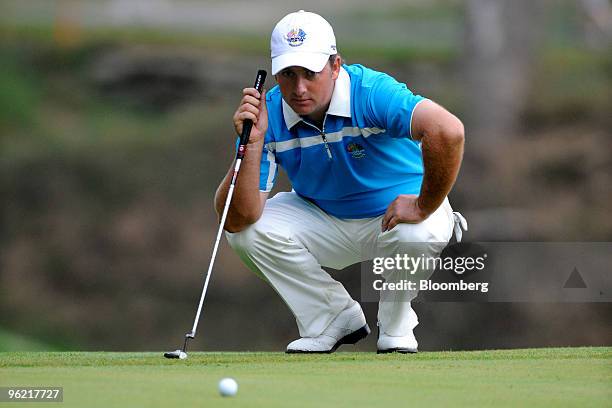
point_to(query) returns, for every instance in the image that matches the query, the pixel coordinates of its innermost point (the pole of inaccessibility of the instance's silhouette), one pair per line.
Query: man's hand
(404, 209)
(253, 107)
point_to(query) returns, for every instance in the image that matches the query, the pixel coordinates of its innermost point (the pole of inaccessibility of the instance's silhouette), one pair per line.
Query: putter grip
(248, 124)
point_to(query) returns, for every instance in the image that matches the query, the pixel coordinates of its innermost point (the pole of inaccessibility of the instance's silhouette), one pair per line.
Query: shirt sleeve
(268, 167)
(391, 105)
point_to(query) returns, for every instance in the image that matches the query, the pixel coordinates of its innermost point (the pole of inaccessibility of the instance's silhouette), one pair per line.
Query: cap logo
(296, 37)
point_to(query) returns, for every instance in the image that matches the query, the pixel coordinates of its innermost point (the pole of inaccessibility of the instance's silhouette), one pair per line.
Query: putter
(244, 139)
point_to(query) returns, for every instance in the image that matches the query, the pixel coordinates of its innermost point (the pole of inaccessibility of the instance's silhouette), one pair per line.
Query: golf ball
(182, 355)
(228, 387)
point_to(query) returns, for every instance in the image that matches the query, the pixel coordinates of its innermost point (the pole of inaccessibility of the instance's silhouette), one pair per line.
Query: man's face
(308, 93)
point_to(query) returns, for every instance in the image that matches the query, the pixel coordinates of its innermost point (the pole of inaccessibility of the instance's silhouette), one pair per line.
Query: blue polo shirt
(362, 158)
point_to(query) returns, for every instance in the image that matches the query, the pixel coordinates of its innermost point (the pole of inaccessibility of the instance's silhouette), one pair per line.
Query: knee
(257, 236)
(242, 241)
(437, 228)
(415, 239)
(408, 233)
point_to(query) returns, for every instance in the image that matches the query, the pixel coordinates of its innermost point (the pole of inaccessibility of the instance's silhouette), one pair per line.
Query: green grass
(532, 377)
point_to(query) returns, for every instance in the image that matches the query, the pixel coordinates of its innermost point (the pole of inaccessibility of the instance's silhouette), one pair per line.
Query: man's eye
(310, 74)
(287, 74)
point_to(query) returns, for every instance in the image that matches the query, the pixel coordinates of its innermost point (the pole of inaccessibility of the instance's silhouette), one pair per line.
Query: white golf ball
(228, 387)
(182, 355)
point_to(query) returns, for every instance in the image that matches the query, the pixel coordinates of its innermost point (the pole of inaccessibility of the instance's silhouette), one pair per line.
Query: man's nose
(300, 86)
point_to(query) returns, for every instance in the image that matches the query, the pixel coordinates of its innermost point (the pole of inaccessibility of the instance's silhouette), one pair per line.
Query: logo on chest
(356, 150)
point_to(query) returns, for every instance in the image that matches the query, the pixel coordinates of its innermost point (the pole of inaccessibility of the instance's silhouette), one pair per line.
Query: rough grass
(532, 377)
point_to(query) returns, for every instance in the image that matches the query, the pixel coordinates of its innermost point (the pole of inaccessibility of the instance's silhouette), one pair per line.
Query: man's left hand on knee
(404, 209)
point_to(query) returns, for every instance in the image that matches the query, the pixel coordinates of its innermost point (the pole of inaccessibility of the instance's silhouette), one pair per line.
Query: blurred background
(115, 130)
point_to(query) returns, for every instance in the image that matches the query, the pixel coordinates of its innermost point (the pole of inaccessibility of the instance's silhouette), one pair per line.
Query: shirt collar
(340, 104)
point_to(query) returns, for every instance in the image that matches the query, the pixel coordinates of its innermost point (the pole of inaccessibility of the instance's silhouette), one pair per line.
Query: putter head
(176, 354)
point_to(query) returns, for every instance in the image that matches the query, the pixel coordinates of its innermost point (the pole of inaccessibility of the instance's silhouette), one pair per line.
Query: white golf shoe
(347, 328)
(400, 344)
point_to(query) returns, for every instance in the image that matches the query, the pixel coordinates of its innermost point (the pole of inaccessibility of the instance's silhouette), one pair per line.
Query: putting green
(532, 377)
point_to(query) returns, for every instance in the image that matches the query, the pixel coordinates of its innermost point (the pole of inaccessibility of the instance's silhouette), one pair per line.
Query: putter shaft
(244, 139)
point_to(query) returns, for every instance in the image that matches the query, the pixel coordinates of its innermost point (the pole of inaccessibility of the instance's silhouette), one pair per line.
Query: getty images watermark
(403, 272)
(489, 272)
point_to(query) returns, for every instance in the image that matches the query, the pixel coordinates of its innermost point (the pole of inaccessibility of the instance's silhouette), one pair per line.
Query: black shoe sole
(398, 350)
(351, 338)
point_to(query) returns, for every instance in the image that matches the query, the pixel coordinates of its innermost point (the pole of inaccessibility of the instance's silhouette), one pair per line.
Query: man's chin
(302, 109)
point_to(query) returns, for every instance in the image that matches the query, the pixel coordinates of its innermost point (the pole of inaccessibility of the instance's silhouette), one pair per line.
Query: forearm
(246, 205)
(442, 155)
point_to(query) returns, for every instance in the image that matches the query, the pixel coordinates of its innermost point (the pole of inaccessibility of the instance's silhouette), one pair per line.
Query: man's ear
(336, 68)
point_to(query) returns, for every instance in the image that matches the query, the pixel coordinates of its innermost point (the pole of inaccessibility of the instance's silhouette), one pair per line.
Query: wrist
(423, 209)
(252, 144)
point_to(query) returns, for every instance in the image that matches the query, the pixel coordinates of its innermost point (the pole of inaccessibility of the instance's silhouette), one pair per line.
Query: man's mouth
(301, 101)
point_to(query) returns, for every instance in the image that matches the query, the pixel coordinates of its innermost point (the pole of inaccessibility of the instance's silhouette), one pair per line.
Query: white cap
(304, 39)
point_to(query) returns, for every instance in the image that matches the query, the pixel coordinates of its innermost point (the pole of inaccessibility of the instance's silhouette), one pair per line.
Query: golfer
(371, 165)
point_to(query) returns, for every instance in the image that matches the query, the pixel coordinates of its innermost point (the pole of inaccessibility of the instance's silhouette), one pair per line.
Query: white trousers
(294, 238)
